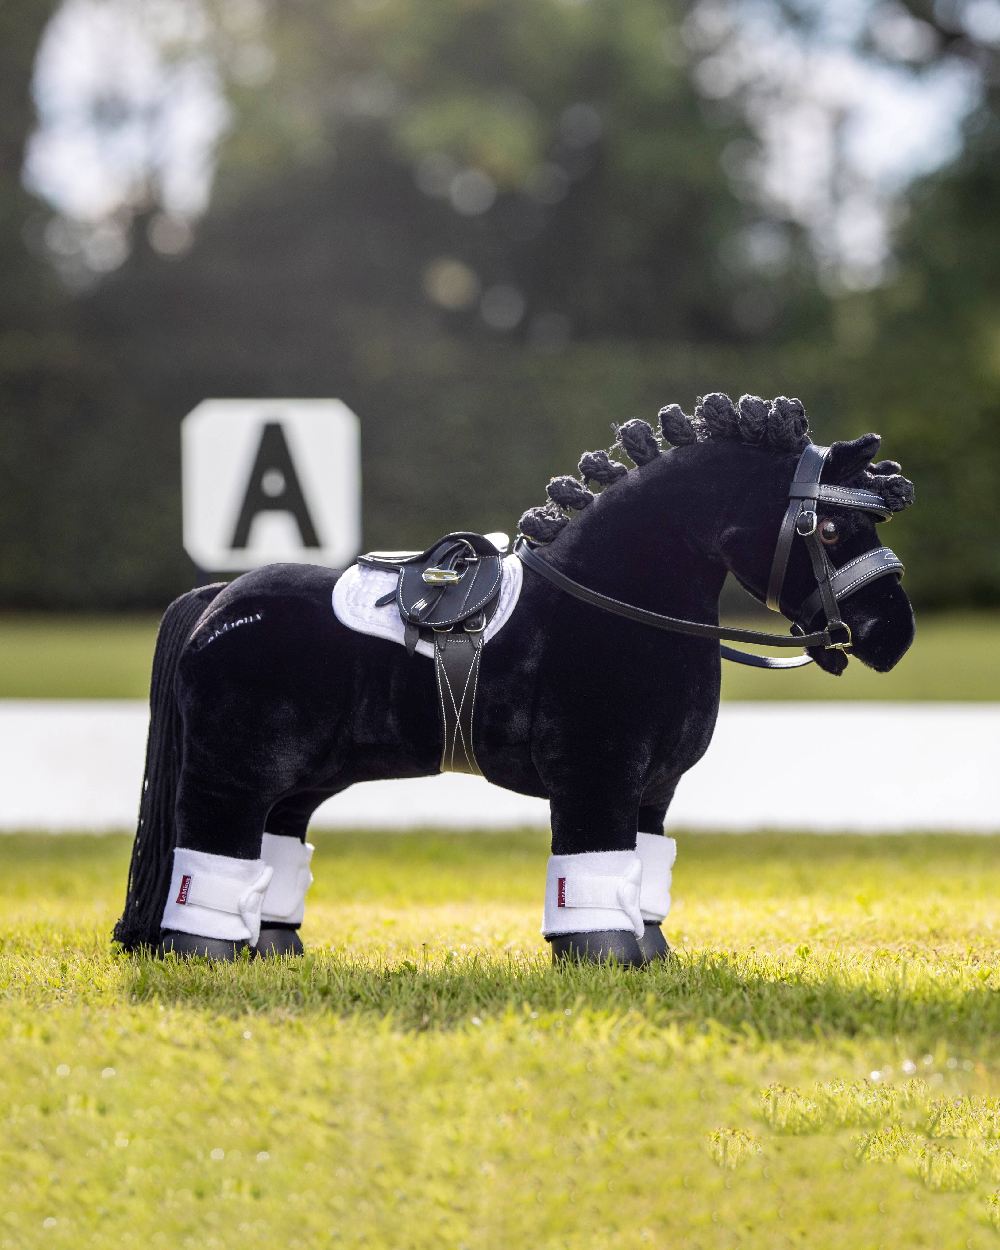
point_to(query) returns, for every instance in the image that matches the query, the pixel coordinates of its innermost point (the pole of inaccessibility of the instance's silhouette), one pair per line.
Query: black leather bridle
(833, 585)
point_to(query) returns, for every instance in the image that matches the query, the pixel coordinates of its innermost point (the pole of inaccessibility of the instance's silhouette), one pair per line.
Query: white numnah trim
(359, 587)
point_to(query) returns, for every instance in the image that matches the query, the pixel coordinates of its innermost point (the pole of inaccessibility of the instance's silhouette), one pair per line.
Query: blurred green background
(492, 227)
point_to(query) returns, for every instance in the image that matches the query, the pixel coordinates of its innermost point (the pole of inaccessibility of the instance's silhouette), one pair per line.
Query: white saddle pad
(359, 587)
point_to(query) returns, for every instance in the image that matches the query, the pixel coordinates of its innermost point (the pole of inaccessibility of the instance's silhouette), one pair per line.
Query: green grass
(76, 657)
(424, 1078)
(954, 658)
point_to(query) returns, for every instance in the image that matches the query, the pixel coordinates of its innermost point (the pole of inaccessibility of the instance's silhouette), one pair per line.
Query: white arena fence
(77, 766)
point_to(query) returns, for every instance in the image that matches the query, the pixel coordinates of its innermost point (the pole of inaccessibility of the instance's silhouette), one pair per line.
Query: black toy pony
(264, 702)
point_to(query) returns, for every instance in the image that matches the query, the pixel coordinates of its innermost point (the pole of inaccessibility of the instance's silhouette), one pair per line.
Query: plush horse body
(263, 704)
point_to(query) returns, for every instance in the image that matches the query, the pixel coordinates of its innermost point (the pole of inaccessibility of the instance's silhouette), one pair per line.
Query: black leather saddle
(446, 595)
(449, 584)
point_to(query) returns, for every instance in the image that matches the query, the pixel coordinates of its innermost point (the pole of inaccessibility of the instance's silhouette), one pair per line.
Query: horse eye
(829, 533)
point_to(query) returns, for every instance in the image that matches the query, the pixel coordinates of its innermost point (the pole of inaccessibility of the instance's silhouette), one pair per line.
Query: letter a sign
(268, 481)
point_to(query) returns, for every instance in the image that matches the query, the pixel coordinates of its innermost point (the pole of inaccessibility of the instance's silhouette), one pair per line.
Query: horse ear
(847, 460)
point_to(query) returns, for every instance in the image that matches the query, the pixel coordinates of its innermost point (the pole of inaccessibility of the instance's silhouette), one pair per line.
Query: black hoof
(608, 945)
(653, 944)
(279, 940)
(186, 944)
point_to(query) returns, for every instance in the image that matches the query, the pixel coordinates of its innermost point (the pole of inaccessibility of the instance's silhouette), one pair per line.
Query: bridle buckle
(844, 644)
(806, 522)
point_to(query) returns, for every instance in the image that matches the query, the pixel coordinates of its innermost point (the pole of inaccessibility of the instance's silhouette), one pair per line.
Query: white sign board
(271, 480)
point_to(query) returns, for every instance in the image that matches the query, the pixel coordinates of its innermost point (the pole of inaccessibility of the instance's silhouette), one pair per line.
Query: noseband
(832, 584)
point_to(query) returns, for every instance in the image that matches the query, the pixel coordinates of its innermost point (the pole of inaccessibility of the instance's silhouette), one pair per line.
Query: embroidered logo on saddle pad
(182, 893)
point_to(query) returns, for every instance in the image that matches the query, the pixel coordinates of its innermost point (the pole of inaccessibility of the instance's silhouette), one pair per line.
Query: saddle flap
(451, 582)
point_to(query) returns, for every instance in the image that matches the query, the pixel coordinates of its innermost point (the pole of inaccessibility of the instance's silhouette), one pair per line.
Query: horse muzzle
(882, 627)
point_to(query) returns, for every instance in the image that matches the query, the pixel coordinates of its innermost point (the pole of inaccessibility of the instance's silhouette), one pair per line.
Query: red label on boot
(182, 893)
(561, 892)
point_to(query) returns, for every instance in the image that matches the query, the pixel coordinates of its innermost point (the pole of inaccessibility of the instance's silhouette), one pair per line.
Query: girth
(447, 595)
(833, 585)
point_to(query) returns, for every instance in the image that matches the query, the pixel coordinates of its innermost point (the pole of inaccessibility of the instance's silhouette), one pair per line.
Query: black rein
(676, 624)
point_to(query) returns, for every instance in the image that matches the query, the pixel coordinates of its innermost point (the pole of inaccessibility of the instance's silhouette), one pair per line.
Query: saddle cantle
(447, 594)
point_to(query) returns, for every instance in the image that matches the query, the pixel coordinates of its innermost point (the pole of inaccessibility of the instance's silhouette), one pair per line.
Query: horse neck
(652, 539)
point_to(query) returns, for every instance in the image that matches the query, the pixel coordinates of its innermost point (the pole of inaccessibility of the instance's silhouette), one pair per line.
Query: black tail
(152, 852)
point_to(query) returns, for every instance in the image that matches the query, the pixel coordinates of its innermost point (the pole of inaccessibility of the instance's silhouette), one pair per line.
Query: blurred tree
(425, 220)
(32, 343)
(29, 285)
(494, 226)
(931, 366)
(567, 162)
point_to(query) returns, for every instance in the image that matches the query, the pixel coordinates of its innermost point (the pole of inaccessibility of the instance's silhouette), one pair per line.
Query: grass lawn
(60, 657)
(820, 1066)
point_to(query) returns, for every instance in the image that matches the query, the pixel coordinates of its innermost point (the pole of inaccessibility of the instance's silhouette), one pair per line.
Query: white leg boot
(657, 854)
(592, 907)
(214, 904)
(285, 899)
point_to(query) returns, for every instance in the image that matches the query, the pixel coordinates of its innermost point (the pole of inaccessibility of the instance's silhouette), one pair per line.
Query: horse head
(828, 527)
(793, 521)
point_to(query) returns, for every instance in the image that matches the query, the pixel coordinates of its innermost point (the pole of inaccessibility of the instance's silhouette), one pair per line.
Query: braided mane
(780, 424)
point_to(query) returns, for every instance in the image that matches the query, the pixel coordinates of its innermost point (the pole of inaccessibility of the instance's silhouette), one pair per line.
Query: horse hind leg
(237, 836)
(219, 879)
(286, 850)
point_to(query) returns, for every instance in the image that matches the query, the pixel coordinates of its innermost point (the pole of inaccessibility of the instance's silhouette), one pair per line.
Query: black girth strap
(448, 594)
(456, 668)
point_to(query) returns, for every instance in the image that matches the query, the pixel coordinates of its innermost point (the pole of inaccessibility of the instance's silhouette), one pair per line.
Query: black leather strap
(456, 668)
(850, 577)
(673, 624)
(854, 497)
(762, 661)
(802, 495)
(822, 573)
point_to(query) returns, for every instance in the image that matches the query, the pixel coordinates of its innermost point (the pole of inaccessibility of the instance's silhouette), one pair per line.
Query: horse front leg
(604, 895)
(657, 853)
